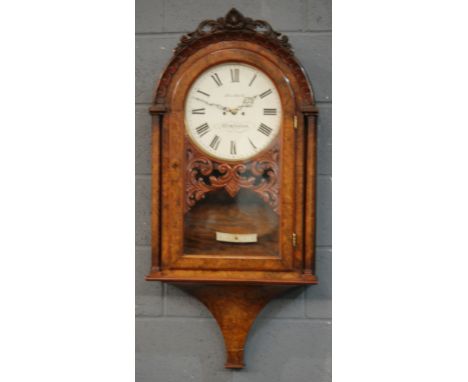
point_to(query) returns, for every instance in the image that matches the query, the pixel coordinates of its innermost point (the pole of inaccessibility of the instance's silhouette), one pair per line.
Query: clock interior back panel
(245, 214)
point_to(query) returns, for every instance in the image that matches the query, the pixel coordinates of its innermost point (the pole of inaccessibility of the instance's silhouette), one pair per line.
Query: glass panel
(240, 225)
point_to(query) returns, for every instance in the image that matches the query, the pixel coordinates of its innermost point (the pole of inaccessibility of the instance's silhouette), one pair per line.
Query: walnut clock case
(233, 179)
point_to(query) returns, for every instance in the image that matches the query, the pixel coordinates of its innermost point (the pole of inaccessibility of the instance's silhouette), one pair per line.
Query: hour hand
(212, 104)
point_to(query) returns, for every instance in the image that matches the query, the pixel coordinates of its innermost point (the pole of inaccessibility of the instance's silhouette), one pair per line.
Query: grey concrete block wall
(176, 338)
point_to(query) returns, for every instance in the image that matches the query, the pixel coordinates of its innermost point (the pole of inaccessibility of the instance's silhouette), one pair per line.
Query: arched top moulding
(235, 27)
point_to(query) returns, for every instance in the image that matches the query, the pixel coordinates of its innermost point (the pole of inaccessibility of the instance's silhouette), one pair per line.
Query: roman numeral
(269, 111)
(215, 143)
(198, 111)
(233, 148)
(264, 94)
(234, 75)
(252, 80)
(264, 129)
(199, 91)
(202, 129)
(216, 79)
(255, 147)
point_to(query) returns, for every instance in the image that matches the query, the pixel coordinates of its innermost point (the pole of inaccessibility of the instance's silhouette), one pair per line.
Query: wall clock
(233, 181)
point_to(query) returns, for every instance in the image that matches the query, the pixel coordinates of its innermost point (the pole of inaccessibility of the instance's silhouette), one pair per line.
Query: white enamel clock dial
(233, 111)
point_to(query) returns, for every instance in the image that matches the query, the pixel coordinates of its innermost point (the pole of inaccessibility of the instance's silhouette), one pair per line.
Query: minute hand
(212, 104)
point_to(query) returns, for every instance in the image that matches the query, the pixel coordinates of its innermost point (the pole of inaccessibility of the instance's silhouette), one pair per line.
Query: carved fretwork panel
(259, 175)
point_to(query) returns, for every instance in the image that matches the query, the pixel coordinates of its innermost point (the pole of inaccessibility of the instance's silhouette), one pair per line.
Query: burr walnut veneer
(233, 182)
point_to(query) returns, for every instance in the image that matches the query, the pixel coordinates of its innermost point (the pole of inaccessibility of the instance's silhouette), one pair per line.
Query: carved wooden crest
(234, 26)
(234, 21)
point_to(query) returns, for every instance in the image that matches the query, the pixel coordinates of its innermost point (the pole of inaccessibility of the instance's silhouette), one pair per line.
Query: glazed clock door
(232, 119)
(237, 176)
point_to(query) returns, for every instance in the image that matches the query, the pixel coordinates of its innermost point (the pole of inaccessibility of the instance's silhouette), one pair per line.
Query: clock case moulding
(234, 290)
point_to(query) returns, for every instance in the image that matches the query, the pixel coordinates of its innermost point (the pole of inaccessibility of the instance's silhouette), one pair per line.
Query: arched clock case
(233, 172)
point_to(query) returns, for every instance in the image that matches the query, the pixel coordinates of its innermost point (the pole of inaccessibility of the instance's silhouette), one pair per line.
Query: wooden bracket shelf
(235, 308)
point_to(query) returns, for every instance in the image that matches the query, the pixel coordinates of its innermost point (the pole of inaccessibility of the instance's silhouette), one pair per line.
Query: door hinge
(294, 240)
(295, 121)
